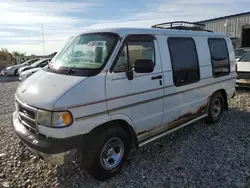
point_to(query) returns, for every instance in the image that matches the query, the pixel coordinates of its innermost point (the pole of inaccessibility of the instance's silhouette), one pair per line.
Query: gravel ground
(197, 156)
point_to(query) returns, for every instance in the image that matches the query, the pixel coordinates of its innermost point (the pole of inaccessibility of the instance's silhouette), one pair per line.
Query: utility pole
(43, 41)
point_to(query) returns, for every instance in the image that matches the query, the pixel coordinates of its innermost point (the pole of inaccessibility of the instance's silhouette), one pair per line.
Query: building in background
(236, 26)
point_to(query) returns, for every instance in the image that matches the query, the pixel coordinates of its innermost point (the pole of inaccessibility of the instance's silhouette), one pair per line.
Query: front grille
(27, 115)
(243, 75)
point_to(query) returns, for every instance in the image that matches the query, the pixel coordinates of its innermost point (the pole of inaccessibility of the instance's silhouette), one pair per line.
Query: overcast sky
(20, 21)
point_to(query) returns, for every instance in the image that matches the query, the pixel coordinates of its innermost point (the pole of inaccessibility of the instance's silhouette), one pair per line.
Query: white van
(111, 90)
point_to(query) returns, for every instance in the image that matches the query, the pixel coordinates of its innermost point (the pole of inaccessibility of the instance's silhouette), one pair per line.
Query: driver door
(141, 98)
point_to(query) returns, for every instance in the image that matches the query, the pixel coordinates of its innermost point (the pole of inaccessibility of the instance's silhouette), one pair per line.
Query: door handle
(156, 77)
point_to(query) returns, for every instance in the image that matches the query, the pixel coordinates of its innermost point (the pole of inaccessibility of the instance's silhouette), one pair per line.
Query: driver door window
(132, 51)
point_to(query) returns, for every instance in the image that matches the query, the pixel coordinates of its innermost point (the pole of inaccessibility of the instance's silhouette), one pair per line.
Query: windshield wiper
(70, 71)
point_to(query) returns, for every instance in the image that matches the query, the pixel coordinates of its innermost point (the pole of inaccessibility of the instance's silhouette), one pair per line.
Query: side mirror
(144, 66)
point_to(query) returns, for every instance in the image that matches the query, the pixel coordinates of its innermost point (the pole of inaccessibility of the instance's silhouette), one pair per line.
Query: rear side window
(219, 57)
(184, 60)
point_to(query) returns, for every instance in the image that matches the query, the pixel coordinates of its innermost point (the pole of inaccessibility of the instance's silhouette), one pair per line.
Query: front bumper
(21, 78)
(55, 151)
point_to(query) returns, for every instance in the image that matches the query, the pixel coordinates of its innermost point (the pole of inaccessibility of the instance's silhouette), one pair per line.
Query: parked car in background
(243, 71)
(239, 52)
(27, 73)
(40, 63)
(13, 70)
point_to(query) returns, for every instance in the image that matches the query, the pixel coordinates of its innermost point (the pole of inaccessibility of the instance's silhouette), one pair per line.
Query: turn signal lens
(61, 119)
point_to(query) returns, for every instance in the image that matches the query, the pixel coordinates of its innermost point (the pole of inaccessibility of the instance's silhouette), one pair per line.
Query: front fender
(84, 125)
(124, 118)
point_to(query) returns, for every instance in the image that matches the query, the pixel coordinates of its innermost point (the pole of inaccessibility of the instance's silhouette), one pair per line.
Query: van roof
(155, 31)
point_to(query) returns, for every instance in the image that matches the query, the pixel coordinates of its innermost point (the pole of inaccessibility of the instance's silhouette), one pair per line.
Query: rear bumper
(55, 151)
(242, 83)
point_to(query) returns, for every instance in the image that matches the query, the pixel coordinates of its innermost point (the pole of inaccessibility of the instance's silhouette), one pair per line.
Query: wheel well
(224, 94)
(125, 126)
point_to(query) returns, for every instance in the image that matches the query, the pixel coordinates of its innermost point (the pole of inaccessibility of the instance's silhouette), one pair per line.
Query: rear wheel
(216, 108)
(106, 153)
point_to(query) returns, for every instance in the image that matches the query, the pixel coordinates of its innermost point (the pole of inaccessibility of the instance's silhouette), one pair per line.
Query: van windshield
(88, 51)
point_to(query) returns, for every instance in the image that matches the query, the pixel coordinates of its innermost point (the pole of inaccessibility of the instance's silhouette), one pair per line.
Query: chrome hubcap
(112, 153)
(216, 108)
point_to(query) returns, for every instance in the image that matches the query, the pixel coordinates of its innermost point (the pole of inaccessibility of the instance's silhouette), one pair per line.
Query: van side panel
(188, 100)
(204, 57)
(181, 101)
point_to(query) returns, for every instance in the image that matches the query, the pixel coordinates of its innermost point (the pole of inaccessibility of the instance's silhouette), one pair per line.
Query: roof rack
(182, 25)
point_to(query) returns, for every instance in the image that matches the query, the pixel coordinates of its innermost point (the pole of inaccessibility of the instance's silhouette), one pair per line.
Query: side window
(122, 61)
(246, 57)
(219, 56)
(32, 61)
(132, 51)
(140, 50)
(44, 63)
(184, 59)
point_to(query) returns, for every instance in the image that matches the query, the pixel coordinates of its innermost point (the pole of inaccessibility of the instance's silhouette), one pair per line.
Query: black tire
(15, 72)
(91, 158)
(216, 108)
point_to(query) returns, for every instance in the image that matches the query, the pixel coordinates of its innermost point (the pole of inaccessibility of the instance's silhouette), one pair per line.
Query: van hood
(43, 89)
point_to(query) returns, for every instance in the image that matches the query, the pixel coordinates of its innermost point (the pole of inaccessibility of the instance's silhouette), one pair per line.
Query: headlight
(24, 74)
(54, 119)
(44, 117)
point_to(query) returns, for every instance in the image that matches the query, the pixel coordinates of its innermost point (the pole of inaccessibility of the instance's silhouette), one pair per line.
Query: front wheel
(15, 72)
(107, 152)
(216, 108)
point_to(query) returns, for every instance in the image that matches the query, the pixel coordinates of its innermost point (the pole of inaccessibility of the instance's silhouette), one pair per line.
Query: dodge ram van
(111, 90)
